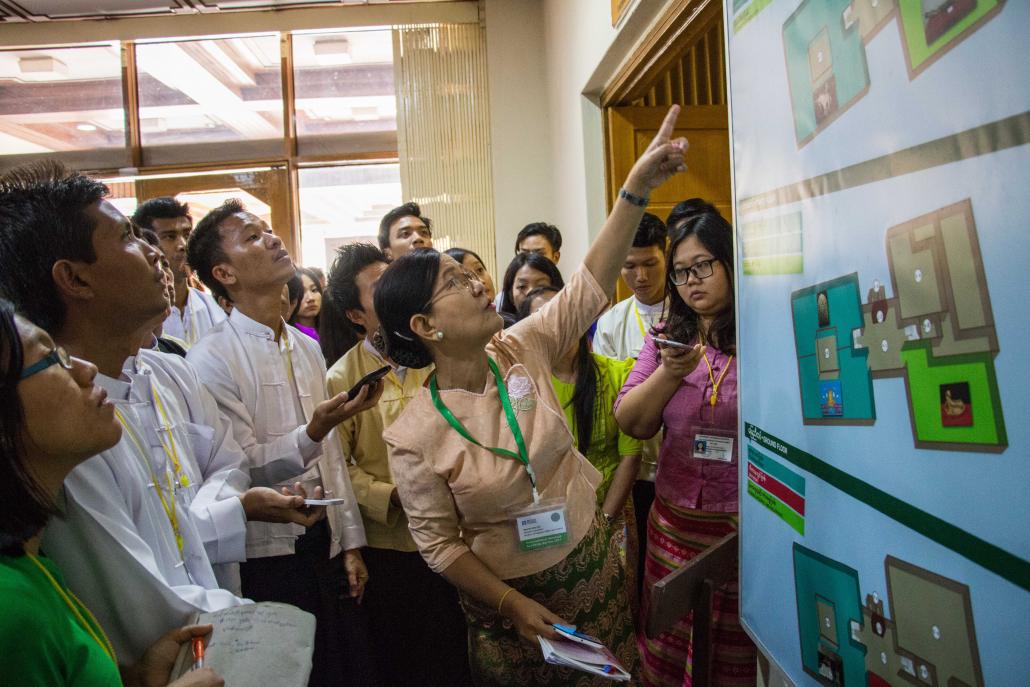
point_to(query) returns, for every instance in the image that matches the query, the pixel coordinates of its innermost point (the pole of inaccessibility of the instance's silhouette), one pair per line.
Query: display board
(881, 175)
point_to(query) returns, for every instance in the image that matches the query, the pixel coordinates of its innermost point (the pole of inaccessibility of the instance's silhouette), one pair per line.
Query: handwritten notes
(263, 643)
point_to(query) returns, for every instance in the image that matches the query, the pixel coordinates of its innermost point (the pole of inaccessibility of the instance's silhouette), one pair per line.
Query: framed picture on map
(956, 405)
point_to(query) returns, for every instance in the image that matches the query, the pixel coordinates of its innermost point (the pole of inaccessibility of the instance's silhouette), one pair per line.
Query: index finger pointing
(668, 124)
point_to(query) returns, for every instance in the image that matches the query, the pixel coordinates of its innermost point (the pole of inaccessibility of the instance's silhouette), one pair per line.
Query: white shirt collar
(255, 328)
(649, 309)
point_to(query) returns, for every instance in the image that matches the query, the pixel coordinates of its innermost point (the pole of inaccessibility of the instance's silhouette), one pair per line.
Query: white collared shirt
(620, 334)
(200, 313)
(115, 542)
(247, 372)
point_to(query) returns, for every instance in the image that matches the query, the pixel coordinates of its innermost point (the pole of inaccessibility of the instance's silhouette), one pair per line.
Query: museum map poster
(881, 176)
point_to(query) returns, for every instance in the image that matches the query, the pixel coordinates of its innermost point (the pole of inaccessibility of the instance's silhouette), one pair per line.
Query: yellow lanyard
(716, 382)
(169, 446)
(640, 320)
(67, 595)
(167, 500)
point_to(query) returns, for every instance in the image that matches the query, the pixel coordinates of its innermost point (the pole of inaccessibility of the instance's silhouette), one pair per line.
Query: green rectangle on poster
(785, 512)
(779, 264)
(771, 467)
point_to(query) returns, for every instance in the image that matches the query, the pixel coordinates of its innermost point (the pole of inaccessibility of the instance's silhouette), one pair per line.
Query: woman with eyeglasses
(52, 418)
(691, 390)
(498, 499)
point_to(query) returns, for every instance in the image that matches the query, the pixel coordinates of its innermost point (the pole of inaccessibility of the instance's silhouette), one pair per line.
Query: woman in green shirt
(587, 384)
(52, 418)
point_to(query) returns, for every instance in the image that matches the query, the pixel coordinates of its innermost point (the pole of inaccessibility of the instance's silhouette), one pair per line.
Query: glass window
(344, 204)
(344, 96)
(65, 103)
(211, 99)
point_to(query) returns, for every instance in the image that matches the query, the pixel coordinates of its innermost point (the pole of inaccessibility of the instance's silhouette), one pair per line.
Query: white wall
(582, 53)
(520, 130)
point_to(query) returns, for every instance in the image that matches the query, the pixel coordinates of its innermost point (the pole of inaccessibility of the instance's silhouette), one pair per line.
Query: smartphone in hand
(672, 344)
(369, 379)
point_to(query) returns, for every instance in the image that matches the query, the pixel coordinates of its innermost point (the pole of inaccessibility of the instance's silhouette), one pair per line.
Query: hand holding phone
(369, 379)
(678, 359)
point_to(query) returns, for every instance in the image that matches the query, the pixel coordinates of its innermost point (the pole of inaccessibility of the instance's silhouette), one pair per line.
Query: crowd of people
(173, 394)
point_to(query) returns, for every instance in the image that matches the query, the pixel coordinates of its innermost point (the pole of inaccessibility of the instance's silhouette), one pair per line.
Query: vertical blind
(443, 132)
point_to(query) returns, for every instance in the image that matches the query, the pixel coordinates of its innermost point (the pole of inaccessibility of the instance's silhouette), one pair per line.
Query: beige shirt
(458, 496)
(361, 437)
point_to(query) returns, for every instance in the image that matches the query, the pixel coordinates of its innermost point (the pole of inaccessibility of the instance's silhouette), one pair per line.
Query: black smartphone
(370, 378)
(671, 344)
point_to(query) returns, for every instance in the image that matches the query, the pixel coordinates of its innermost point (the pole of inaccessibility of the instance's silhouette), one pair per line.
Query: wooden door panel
(706, 127)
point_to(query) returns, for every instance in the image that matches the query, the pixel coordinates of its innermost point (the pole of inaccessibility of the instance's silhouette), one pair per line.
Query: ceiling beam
(224, 22)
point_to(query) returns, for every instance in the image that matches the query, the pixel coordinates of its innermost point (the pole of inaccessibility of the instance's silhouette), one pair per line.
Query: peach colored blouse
(457, 496)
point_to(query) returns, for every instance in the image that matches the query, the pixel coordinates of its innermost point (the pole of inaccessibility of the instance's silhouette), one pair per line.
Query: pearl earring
(439, 336)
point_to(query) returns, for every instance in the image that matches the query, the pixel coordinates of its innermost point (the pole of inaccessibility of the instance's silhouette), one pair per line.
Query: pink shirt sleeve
(558, 325)
(429, 505)
(647, 362)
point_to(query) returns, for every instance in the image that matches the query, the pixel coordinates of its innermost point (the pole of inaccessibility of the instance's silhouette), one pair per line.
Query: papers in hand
(257, 644)
(582, 652)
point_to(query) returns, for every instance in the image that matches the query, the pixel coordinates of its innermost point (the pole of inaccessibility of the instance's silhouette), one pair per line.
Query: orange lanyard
(716, 382)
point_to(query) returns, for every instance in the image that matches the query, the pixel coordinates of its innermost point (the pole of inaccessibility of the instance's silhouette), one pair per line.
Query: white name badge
(541, 525)
(713, 447)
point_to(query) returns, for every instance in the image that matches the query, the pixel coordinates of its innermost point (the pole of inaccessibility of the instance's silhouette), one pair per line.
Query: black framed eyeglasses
(58, 356)
(702, 269)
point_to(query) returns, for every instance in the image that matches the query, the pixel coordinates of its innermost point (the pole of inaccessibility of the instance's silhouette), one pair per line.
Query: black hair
(650, 232)
(548, 231)
(406, 210)
(584, 393)
(534, 261)
(338, 333)
(310, 274)
(716, 235)
(686, 209)
(150, 237)
(24, 504)
(459, 255)
(319, 273)
(295, 289)
(342, 288)
(43, 219)
(204, 249)
(164, 207)
(403, 291)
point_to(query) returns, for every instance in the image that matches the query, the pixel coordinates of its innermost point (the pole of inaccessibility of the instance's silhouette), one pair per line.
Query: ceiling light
(332, 50)
(41, 64)
(86, 127)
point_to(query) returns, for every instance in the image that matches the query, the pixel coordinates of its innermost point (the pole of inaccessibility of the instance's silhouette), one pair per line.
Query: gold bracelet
(503, 597)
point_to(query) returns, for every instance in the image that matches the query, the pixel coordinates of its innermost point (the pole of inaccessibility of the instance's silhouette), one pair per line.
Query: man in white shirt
(620, 334)
(146, 522)
(269, 379)
(193, 312)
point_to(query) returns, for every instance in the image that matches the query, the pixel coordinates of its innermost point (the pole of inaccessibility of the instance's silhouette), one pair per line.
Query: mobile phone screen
(370, 378)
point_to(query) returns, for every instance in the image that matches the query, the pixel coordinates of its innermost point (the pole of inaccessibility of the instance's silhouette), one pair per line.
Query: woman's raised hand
(662, 159)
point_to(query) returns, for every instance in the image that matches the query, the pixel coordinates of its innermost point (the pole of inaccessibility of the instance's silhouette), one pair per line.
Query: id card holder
(710, 443)
(541, 525)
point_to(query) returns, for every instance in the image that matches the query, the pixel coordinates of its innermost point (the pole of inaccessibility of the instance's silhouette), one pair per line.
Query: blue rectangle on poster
(831, 400)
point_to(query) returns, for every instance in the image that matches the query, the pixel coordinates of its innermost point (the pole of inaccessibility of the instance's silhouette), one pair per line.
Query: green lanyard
(513, 424)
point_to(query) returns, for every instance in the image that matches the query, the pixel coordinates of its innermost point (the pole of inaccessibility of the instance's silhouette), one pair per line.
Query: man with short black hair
(193, 312)
(404, 229)
(144, 522)
(269, 380)
(542, 238)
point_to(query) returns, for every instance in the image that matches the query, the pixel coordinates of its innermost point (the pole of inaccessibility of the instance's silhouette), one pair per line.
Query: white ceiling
(49, 10)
